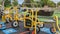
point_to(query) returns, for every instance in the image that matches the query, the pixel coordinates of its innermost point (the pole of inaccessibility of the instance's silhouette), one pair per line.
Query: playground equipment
(31, 20)
(2, 24)
(7, 16)
(11, 16)
(54, 28)
(57, 25)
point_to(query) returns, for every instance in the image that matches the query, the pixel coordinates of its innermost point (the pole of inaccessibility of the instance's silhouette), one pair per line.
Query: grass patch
(57, 13)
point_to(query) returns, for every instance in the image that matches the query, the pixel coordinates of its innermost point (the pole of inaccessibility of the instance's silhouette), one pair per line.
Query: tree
(27, 3)
(7, 3)
(41, 3)
(51, 4)
(15, 3)
(0, 2)
(44, 2)
(58, 3)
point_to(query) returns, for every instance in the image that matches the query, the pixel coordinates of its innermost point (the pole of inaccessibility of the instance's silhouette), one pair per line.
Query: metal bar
(37, 8)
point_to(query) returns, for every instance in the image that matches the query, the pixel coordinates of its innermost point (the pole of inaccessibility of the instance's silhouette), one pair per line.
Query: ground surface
(19, 30)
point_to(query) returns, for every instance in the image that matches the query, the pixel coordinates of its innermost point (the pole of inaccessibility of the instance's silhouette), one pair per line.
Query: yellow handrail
(56, 18)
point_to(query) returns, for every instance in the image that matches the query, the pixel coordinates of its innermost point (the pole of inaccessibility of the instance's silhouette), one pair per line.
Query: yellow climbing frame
(34, 23)
(56, 18)
(7, 15)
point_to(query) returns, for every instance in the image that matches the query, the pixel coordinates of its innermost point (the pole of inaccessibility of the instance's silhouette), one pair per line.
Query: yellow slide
(56, 18)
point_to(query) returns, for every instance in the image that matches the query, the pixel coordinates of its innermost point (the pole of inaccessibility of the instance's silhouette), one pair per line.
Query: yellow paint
(6, 15)
(25, 21)
(3, 18)
(56, 18)
(34, 23)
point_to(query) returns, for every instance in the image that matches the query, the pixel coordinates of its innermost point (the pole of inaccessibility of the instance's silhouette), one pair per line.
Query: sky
(56, 1)
(21, 1)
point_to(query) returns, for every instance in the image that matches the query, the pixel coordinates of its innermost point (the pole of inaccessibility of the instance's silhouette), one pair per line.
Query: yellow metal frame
(16, 13)
(27, 18)
(34, 23)
(56, 18)
(25, 23)
(6, 15)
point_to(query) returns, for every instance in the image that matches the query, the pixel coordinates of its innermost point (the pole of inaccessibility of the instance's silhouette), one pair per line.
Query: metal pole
(2, 4)
(2, 10)
(56, 5)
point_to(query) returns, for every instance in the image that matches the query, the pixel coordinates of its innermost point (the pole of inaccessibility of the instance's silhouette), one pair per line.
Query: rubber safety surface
(9, 31)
